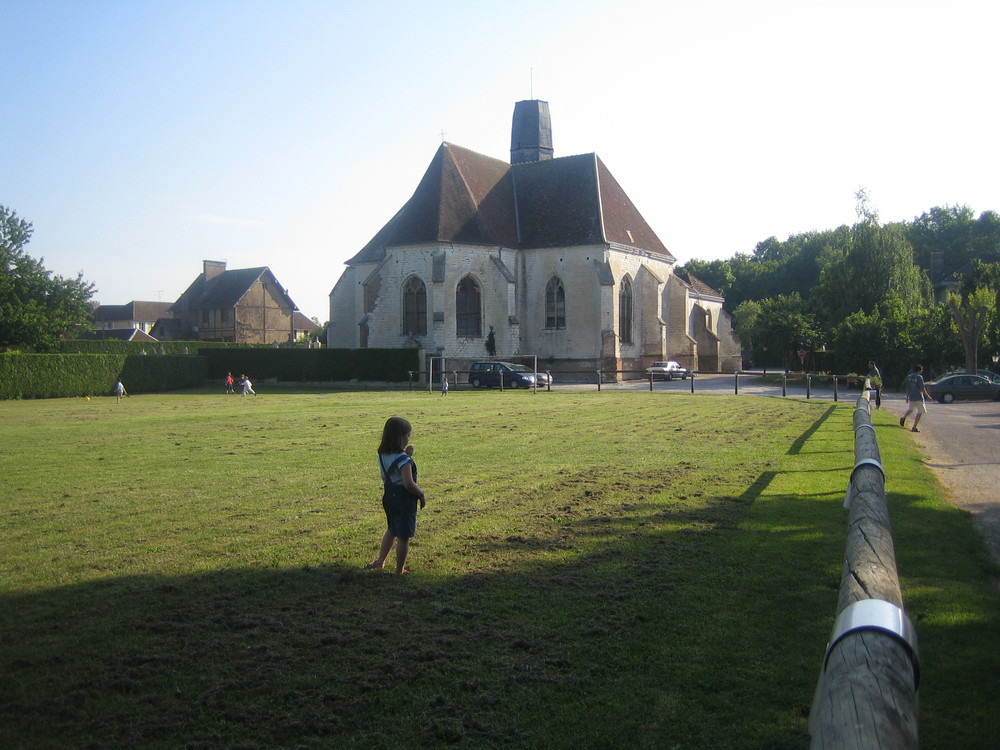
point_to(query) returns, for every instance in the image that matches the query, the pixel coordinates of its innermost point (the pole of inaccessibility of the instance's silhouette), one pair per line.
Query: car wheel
(513, 384)
(947, 398)
(475, 382)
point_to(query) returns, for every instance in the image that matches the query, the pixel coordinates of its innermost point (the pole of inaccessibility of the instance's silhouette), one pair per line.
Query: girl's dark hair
(394, 435)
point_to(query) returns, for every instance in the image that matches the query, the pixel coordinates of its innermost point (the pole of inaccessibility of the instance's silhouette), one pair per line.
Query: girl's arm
(406, 471)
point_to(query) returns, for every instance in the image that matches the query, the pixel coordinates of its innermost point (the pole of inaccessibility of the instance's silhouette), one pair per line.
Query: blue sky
(143, 137)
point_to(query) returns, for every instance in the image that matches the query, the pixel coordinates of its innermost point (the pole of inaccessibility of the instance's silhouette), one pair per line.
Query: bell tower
(531, 132)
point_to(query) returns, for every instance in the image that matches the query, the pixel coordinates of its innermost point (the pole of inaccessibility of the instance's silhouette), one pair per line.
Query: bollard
(691, 376)
(736, 381)
(809, 383)
(784, 384)
(598, 380)
(836, 395)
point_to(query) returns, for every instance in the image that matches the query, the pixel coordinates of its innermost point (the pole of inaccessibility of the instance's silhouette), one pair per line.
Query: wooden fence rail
(866, 695)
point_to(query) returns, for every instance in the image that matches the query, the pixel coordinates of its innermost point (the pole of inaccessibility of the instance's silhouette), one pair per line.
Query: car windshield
(520, 368)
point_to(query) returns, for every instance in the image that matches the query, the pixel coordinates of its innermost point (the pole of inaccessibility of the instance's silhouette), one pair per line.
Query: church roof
(466, 197)
(697, 285)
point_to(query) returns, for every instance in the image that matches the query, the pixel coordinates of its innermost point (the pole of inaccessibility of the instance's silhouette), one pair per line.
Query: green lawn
(592, 570)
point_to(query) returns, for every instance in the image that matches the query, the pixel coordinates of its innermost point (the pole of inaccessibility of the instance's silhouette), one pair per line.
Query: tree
(876, 263)
(778, 325)
(36, 307)
(970, 313)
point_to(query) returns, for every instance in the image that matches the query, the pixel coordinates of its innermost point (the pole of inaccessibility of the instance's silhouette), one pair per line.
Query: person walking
(875, 382)
(444, 386)
(400, 493)
(915, 394)
(229, 383)
(119, 391)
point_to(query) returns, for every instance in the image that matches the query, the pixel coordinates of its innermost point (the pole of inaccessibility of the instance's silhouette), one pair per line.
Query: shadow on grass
(641, 644)
(801, 440)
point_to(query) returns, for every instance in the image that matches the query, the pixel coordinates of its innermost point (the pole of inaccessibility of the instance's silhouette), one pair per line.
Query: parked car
(667, 370)
(966, 387)
(488, 374)
(990, 376)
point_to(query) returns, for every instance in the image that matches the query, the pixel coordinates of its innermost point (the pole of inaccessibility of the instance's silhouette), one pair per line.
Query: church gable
(462, 197)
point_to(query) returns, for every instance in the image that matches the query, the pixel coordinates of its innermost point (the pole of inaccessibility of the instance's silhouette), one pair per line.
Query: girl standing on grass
(400, 494)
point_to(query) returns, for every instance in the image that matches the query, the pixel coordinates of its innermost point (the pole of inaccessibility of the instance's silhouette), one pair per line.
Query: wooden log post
(866, 696)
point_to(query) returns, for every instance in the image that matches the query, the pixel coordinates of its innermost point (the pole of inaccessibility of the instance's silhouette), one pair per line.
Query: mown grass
(592, 570)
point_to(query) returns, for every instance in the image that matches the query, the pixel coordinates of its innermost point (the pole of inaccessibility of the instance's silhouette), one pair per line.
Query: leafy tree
(970, 313)
(36, 307)
(957, 235)
(779, 326)
(876, 263)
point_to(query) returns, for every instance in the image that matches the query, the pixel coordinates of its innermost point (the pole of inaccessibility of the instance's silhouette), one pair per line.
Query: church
(543, 257)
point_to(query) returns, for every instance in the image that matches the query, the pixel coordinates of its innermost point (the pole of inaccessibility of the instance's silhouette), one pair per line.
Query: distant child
(229, 382)
(444, 386)
(247, 386)
(400, 492)
(119, 391)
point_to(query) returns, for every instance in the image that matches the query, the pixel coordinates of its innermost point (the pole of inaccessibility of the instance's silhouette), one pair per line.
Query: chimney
(531, 132)
(213, 268)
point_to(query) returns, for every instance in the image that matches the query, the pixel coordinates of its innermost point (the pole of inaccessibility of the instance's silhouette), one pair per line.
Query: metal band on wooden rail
(877, 614)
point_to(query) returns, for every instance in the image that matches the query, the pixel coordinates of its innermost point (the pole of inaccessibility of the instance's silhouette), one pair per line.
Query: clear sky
(141, 137)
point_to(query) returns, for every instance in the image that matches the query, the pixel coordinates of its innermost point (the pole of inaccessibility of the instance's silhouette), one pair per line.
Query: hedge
(313, 365)
(60, 375)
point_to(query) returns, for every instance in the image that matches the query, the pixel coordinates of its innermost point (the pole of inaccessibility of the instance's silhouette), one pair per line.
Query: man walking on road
(915, 393)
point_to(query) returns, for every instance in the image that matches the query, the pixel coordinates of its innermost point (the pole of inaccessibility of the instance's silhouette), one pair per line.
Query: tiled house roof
(225, 289)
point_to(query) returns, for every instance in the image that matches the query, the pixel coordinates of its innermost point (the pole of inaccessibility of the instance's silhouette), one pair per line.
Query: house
(134, 315)
(244, 305)
(543, 256)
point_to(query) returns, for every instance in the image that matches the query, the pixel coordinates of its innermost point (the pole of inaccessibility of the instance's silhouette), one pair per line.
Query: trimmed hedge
(61, 375)
(313, 365)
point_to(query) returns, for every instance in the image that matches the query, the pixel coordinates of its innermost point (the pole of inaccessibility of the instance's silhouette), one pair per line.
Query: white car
(667, 370)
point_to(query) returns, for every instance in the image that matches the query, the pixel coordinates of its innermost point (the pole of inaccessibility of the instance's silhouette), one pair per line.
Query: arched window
(414, 307)
(468, 318)
(555, 304)
(625, 312)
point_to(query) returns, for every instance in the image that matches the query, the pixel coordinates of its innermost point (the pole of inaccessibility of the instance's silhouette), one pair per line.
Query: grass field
(592, 570)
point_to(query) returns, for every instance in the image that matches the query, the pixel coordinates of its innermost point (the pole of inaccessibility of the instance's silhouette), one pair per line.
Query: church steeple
(531, 132)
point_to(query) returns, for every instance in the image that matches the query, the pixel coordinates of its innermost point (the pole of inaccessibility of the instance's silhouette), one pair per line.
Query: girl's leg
(387, 540)
(402, 548)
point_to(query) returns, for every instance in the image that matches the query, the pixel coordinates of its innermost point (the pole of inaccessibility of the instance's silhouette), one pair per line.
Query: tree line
(898, 293)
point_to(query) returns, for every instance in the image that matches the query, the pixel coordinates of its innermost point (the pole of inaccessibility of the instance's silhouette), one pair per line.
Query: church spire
(531, 132)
